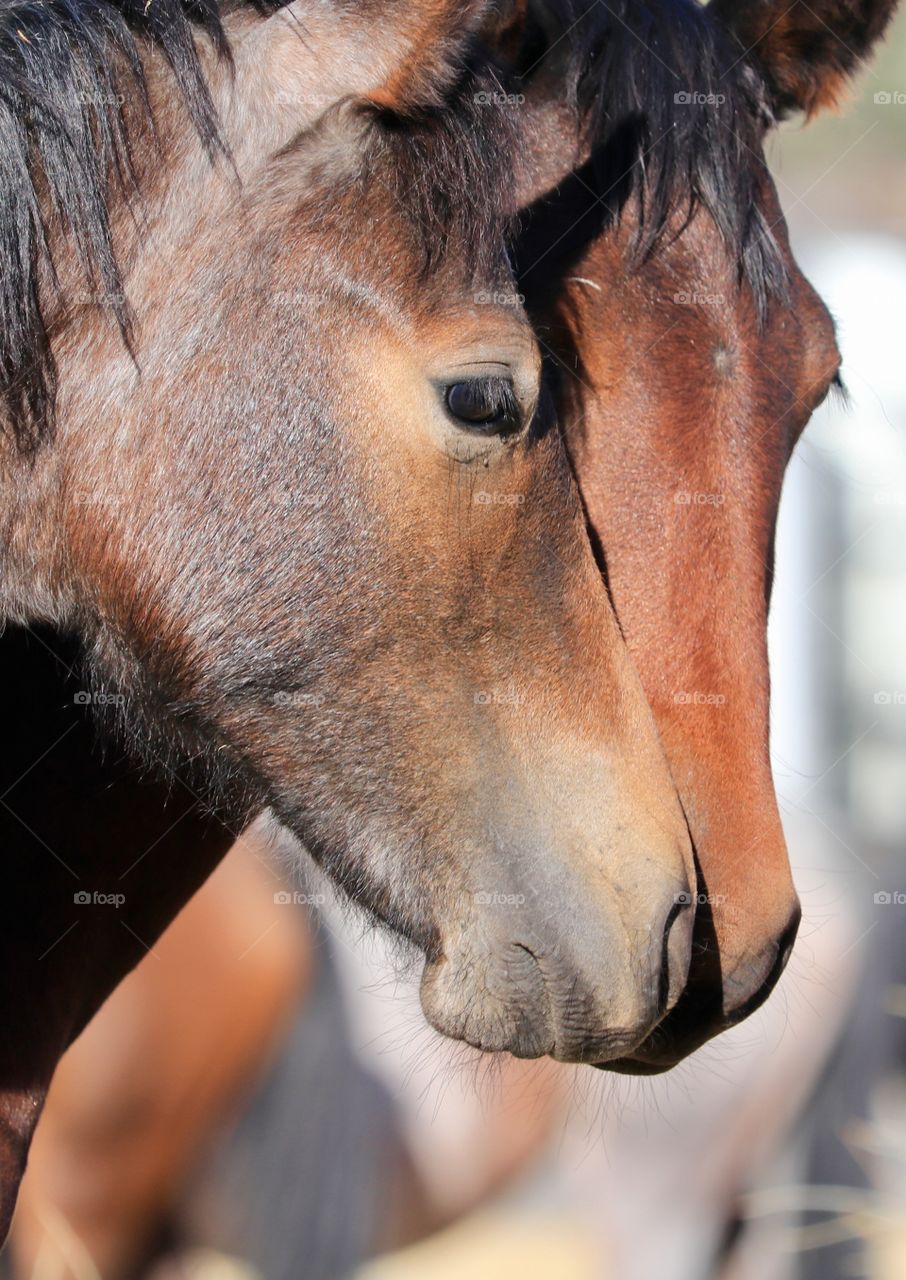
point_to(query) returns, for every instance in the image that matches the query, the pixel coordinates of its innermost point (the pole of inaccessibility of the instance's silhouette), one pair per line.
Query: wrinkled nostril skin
(590, 991)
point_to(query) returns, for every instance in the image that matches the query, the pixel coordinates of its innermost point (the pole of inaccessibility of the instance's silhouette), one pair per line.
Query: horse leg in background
(157, 1071)
(96, 863)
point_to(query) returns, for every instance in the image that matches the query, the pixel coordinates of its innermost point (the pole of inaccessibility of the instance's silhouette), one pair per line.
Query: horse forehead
(682, 315)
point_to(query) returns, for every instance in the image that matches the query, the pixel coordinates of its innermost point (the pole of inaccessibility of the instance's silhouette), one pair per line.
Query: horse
(690, 353)
(286, 513)
(187, 695)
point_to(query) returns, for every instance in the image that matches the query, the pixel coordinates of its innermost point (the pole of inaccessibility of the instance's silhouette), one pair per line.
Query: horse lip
(637, 1066)
(665, 1047)
(648, 1062)
(618, 1041)
(648, 1059)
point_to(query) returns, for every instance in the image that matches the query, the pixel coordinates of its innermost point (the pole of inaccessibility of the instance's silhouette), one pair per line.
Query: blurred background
(362, 1145)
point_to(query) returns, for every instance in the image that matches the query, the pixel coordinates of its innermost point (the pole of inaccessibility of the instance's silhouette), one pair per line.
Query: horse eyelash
(509, 403)
(839, 392)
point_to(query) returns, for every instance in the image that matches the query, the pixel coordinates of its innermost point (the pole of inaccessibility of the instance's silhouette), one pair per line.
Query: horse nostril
(669, 980)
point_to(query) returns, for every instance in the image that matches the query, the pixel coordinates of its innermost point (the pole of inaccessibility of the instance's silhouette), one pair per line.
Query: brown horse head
(311, 521)
(690, 352)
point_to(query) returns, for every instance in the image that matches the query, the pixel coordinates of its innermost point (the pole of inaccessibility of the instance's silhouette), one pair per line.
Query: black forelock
(448, 173)
(676, 118)
(64, 67)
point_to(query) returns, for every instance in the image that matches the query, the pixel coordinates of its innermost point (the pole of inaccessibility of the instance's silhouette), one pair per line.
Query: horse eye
(484, 404)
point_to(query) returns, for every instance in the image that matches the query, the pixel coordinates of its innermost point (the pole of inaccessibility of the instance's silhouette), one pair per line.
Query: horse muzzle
(561, 964)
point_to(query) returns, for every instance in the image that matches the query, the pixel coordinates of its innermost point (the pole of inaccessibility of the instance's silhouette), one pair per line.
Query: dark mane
(626, 63)
(448, 174)
(64, 68)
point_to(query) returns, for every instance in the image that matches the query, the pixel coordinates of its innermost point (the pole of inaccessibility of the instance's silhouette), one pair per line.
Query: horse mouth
(663, 1050)
(667, 1046)
(636, 1067)
(697, 1017)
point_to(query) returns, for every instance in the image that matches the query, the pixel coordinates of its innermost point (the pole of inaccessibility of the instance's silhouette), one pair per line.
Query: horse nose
(587, 994)
(676, 946)
(752, 983)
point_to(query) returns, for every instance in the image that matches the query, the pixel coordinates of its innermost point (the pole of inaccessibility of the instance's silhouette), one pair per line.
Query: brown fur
(301, 584)
(681, 399)
(806, 52)
(264, 532)
(684, 424)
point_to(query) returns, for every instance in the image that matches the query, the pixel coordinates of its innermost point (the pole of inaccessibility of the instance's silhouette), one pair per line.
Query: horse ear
(428, 48)
(305, 58)
(399, 55)
(805, 52)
